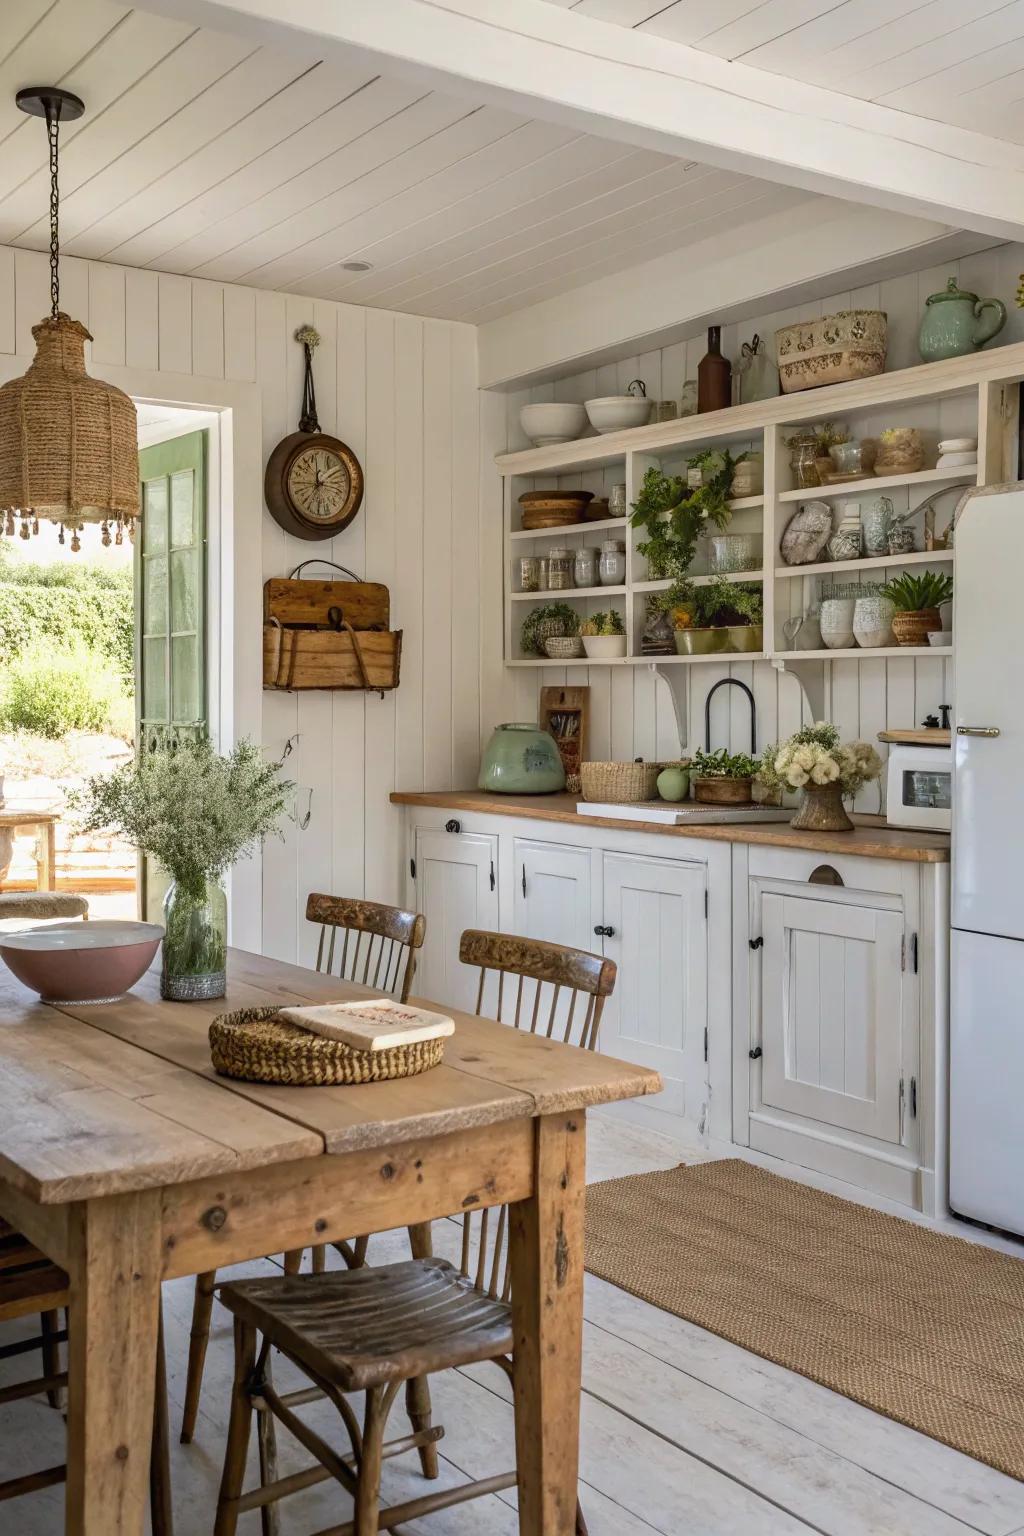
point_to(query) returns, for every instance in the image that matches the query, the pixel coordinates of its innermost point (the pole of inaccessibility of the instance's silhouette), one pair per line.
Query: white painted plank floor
(683, 1433)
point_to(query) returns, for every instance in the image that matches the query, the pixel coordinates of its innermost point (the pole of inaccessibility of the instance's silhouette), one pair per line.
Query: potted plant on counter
(814, 761)
(721, 778)
(604, 636)
(195, 813)
(917, 600)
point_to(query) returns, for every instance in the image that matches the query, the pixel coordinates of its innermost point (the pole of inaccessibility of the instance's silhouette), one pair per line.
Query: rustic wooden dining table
(129, 1161)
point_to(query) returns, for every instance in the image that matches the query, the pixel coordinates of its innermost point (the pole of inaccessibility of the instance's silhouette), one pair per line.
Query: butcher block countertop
(871, 838)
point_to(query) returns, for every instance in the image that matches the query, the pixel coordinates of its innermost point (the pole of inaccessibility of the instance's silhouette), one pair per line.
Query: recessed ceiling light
(357, 266)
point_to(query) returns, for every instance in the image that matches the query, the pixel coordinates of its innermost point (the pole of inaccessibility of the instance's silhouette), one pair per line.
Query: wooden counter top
(871, 839)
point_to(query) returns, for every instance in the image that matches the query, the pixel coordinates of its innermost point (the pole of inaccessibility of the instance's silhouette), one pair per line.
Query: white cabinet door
(552, 893)
(456, 889)
(831, 999)
(658, 1013)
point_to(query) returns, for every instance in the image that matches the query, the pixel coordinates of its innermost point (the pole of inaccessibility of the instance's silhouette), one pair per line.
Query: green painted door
(170, 597)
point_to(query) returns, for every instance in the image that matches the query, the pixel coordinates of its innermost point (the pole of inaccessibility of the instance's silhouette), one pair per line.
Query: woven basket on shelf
(619, 783)
(256, 1045)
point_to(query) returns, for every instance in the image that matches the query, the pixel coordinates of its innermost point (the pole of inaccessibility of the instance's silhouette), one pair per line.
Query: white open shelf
(970, 395)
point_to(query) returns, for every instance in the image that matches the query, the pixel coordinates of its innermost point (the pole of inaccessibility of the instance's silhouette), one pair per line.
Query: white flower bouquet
(815, 759)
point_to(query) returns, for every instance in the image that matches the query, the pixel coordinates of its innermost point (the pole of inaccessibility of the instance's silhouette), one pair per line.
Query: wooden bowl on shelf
(554, 509)
(721, 791)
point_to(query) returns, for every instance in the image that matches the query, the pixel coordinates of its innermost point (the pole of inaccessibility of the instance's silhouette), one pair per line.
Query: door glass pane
(154, 609)
(154, 691)
(182, 503)
(154, 524)
(184, 591)
(184, 679)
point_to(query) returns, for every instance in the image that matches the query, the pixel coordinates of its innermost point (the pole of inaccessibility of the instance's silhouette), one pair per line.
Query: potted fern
(917, 600)
(674, 513)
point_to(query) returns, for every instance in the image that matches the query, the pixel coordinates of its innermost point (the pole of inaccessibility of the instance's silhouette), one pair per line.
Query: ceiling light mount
(357, 266)
(47, 100)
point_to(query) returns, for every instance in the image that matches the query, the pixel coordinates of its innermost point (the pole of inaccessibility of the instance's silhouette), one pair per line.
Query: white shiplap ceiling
(956, 61)
(203, 154)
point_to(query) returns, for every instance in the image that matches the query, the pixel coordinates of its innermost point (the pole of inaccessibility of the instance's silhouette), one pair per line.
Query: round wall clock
(314, 483)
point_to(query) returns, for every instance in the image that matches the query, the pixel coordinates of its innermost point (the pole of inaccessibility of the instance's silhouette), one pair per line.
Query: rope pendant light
(68, 442)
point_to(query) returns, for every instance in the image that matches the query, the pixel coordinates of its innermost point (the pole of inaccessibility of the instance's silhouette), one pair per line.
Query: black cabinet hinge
(757, 943)
(913, 1098)
(755, 1054)
(412, 868)
(705, 1042)
(706, 902)
(913, 952)
(493, 881)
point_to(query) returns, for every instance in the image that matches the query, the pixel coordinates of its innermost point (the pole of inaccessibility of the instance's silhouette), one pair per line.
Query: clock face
(319, 484)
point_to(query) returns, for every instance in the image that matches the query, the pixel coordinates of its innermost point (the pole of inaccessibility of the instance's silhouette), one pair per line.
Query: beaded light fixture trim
(68, 442)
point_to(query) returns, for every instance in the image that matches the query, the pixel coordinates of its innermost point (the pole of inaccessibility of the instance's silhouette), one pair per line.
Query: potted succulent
(721, 778)
(604, 636)
(550, 621)
(917, 600)
(814, 760)
(673, 513)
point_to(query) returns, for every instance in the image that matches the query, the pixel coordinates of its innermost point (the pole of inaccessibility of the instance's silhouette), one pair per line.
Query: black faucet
(730, 682)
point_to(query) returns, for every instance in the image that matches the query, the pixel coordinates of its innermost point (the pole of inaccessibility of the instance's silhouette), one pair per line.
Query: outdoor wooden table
(45, 824)
(129, 1161)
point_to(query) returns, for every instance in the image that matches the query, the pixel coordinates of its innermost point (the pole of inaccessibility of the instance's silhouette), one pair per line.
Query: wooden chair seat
(29, 1282)
(41, 906)
(362, 1328)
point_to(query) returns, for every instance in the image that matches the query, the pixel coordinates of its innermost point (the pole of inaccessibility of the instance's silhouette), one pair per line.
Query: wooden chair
(372, 1329)
(30, 1285)
(381, 954)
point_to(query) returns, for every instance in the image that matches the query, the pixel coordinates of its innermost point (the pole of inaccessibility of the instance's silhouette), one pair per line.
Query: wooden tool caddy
(328, 634)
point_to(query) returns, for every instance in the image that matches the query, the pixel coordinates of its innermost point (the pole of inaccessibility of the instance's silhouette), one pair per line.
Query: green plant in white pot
(604, 636)
(194, 812)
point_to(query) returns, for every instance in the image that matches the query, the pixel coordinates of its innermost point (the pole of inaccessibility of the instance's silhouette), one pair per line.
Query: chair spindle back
(377, 944)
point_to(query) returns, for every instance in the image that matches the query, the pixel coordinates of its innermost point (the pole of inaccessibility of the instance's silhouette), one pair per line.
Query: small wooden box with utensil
(328, 634)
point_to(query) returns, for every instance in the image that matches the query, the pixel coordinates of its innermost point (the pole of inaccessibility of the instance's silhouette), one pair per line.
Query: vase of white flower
(814, 761)
(195, 942)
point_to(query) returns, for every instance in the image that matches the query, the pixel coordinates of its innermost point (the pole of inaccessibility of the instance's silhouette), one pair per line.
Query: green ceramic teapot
(955, 324)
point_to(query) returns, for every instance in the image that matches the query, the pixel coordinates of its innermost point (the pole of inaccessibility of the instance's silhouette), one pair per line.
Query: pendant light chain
(53, 135)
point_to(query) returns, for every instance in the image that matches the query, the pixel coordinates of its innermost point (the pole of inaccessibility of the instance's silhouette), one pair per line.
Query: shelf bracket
(677, 680)
(811, 677)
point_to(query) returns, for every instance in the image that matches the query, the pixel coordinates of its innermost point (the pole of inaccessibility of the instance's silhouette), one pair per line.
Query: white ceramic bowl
(604, 647)
(969, 457)
(82, 962)
(941, 639)
(617, 413)
(959, 445)
(551, 422)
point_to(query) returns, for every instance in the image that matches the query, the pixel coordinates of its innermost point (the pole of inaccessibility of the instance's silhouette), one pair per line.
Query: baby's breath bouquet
(194, 812)
(814, 760)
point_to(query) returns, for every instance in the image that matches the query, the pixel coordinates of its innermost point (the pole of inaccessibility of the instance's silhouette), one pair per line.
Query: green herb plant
(604, 624)
(544, 623)
(673, 515)
(724, 765)
(911, 594)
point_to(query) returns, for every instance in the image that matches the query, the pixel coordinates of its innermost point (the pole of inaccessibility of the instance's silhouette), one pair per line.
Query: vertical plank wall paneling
(631, 710)
(402, 392)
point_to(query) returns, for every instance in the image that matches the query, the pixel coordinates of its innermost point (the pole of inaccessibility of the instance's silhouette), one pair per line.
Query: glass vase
(195, 943)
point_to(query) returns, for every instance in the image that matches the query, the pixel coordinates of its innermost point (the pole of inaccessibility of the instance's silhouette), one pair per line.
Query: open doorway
(105, 647)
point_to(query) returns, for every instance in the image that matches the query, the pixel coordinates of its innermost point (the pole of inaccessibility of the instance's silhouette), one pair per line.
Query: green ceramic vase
(955, 323)
(674, 783)
(521, 760)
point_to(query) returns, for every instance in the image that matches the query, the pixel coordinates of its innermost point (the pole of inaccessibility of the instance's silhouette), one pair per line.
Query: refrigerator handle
(977, 730)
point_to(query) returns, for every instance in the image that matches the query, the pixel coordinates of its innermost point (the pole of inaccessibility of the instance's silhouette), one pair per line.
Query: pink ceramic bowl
(82, 962)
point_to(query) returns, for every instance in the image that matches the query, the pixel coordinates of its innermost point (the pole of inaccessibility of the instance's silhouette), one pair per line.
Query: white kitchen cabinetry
(455, 876)
(656, 932)
(552, 893)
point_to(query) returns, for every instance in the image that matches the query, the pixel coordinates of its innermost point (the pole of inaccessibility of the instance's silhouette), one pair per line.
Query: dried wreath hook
(308, 336)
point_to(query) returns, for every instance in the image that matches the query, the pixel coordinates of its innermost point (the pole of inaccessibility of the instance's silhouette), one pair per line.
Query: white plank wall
(632, 712)
(402, 392)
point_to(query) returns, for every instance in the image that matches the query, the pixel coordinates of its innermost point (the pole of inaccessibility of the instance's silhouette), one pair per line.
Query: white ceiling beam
(641, 89)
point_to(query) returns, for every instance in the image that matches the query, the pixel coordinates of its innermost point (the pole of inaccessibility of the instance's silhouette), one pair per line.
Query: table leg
(46, 868)
(546, 1236)
(114, 1269)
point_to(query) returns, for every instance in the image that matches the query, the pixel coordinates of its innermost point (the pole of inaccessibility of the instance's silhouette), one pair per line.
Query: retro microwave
(919, 787)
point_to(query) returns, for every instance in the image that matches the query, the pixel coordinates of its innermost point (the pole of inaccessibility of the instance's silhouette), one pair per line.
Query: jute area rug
(924, 1328)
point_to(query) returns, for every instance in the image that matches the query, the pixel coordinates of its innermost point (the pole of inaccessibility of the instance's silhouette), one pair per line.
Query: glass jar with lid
(803, 451)
(528, 568)
(613, 563)
(584, 566)
(559, 569)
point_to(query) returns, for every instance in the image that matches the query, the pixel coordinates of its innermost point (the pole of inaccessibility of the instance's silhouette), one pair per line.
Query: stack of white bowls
(958, 453)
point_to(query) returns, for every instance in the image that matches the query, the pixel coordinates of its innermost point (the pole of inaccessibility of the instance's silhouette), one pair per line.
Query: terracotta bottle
(714, 375)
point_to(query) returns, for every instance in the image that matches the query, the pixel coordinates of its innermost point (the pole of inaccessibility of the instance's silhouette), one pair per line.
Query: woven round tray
(257, 1045)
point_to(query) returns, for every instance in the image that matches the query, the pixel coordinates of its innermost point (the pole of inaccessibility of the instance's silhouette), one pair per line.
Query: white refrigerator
(987, 953)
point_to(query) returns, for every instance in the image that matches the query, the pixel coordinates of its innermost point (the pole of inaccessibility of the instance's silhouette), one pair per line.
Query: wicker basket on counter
(619, 783)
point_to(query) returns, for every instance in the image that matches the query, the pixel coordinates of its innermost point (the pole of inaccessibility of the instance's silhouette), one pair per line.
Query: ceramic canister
(872, 620)
(837, 622)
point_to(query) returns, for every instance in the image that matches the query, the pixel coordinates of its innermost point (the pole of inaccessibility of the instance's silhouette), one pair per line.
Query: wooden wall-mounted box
(329, 634)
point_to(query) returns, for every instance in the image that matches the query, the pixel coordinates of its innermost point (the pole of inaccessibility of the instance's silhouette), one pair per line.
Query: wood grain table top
(871, 838)
(107, 1098)
(25, 816)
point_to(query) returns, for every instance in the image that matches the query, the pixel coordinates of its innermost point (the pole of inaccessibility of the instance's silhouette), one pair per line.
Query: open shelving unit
(975, 396)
